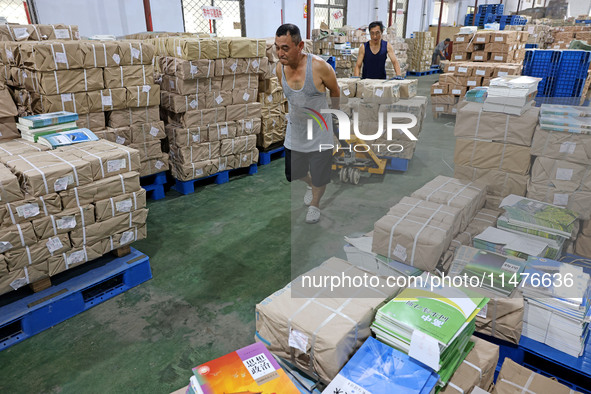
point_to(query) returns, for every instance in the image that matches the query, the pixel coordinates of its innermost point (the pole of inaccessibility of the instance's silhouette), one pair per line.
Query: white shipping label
(4, 246)
(18, 283)
(456, 91)
(62, 33)
(437, 91)
(460, 39)
(127, 237)
(451, 68)
(509, 267)
(480, 39)
(503, 73)
(194, 69)
(560, 199)
(499, 38)
(135, 53)
(248, 124)
(116, 58)
(123, 206)
(480, 72)
(471, 83)
(66, 97)
(146, 88)
(171, 83)
(76, 257)
(439, 109)
(199, 172)
(245, 96)
(115, 165)
(107, 100)
(530, 30)
(270, 98)
(219, 99)
(568, 147)
(154, 131)
(564, 174)
(379, 92)
(224, 130)
(478, 57)
(298, 340)
(222, 166)
(483, 311)
(159, 164)
(462, 70)
(193, 104)
(20, 32)
(66, 222)
(28, 210)
(346, 92)
(120, 140)
(234, 66)
(458, 57)
(196, 138)
(400, 252)
(54, 244)
(259, 366)
(499, 58)
(63, 182)
(9, 54)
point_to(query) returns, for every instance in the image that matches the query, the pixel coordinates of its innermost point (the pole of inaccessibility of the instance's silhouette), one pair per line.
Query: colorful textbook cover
(49, 119)
(248, 370)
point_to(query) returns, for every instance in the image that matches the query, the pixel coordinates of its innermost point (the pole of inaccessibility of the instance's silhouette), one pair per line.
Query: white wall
(263, 17)
(167, 15)
(414, 16)
(579, 7)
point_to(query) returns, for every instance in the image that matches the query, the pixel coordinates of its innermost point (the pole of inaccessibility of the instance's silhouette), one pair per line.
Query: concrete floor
(214, 255)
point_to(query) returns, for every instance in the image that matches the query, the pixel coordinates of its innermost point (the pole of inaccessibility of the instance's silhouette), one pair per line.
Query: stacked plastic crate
(209, 102)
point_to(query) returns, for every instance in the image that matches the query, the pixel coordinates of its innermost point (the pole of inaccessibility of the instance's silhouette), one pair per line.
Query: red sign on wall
(210, 12)
(338, 15)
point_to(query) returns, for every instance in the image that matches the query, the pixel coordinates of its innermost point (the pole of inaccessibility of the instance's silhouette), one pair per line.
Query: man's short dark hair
(447, 40)
(293, 31)
(377, 23)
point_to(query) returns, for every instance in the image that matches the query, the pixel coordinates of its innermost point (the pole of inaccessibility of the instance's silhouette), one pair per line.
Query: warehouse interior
(503, 129)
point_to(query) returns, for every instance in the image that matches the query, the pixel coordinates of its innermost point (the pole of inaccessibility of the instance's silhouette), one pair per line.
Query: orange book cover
(250, 370)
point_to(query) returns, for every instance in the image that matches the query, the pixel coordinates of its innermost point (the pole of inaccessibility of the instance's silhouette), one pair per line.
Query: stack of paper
(511, 94)
(498, 275)
(511, 244)
(433, 327)
(65, 138)
(537, 218)
(557, 309)
(32, 127)
(378, 368)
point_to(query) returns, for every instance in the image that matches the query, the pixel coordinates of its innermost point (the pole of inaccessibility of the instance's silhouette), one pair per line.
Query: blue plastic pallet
(154, 185)
(265, 157)
(423, 73)
(102, 279)
(188, 187)
(396, 163)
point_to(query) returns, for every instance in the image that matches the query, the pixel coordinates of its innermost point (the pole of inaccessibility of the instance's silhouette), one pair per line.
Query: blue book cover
(49, 119)
(377, 368)
(69, 137)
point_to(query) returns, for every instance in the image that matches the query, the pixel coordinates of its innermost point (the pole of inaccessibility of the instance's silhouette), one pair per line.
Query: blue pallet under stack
(563, 74)
(490, 13)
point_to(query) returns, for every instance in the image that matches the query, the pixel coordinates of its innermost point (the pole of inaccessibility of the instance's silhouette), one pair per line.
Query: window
(331, 12)
(436, 7)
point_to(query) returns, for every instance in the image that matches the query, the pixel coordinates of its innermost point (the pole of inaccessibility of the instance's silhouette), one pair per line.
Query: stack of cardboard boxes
(539, 34)
(274, 109)
(64, 207)
(562, 36)
(420, 51)
(209, 101)
(490, 46)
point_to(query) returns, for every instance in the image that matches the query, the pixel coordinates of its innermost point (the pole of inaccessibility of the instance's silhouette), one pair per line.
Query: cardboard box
(106, 100)
(135, 52)
(504, 36)
(202, 117)
(484, 218)
(473, 122)
(247, 47)
(100, 190)
(460, 57)
(246, 159)
(577, 201)
(457, 90)
(501, 57)
(238, 81)
(19, 146)
(450, 79)
(125, 237)
(466, 196)
(440, 100)
(63, 222)
(84, 254)
(514, 379)
(10, 190)
(132, 116)
(572, 147)
(413, 222)
(408, 88)
(179, 136)
(492, 155)
(377, 91)
(185, 87)
(499, 183)
(248, 126)
(230, 66)
(504, 318)
(347, 87)
(95, 232)
(71, 102)
(509, 69)
(480, 56)
(22, 277)
(464, 70)
(243, 111)
(102, 53)
(179, 104)
(218, 98)
(439, 89)
(121, 135)
(188, 69)
(473, 82)
(143, 96)
(500, 47)
(483, 70)
(462, 38)
(220, 131)
(237, 145)
(124, 76)
(482, 37)
(478, 369)
(120, 205)
(284, 315)
(196, 152)
(244, 96)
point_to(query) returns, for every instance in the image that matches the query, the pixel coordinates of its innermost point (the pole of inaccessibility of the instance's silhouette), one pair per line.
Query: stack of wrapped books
(511, 94)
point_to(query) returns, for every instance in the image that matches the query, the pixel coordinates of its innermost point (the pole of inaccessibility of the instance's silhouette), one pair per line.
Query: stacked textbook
(378, 368)
(538, 220)
(511, 94)
(32, 127)
(433, 327)
(557, 302)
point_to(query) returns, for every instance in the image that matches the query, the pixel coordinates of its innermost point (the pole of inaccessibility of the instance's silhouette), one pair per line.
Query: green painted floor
(214, 255)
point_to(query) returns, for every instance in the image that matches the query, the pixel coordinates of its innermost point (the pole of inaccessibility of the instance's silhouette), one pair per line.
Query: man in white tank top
(305, 78)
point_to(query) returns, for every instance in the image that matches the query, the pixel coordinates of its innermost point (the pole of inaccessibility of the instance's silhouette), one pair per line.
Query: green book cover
(440, 314)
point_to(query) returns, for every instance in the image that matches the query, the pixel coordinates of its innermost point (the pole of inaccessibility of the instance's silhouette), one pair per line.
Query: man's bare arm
(394, 60)
(359, 62)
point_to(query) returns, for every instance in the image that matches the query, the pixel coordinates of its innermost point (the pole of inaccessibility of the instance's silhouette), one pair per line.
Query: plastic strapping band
(208, 68)
(54, 59)
(85, 81)
(396, 225)
(437, 189)
(82, 221)
(506, 129)
(73, 101)
(138, 96)
(112, 206)
(476, 367)
(458, 193)
(76, 195)
(39, 171)
(20, 233)
(9, 208)
(53, 225)
(121, 74)
(493, 324)
(416, 238)
(70, 164)
(26, 275)
(135, 200)
(105, 52)
(131, 219)
(502, 156)
(455, 387)
(94, 56)
(66, 56)
(111, 240)
(28, 250)
(66, 261)
(144, 74)
(57, 85)
(130, 54)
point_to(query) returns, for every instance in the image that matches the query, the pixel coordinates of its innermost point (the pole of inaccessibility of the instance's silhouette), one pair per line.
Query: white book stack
(511, 94)
(556, 305)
